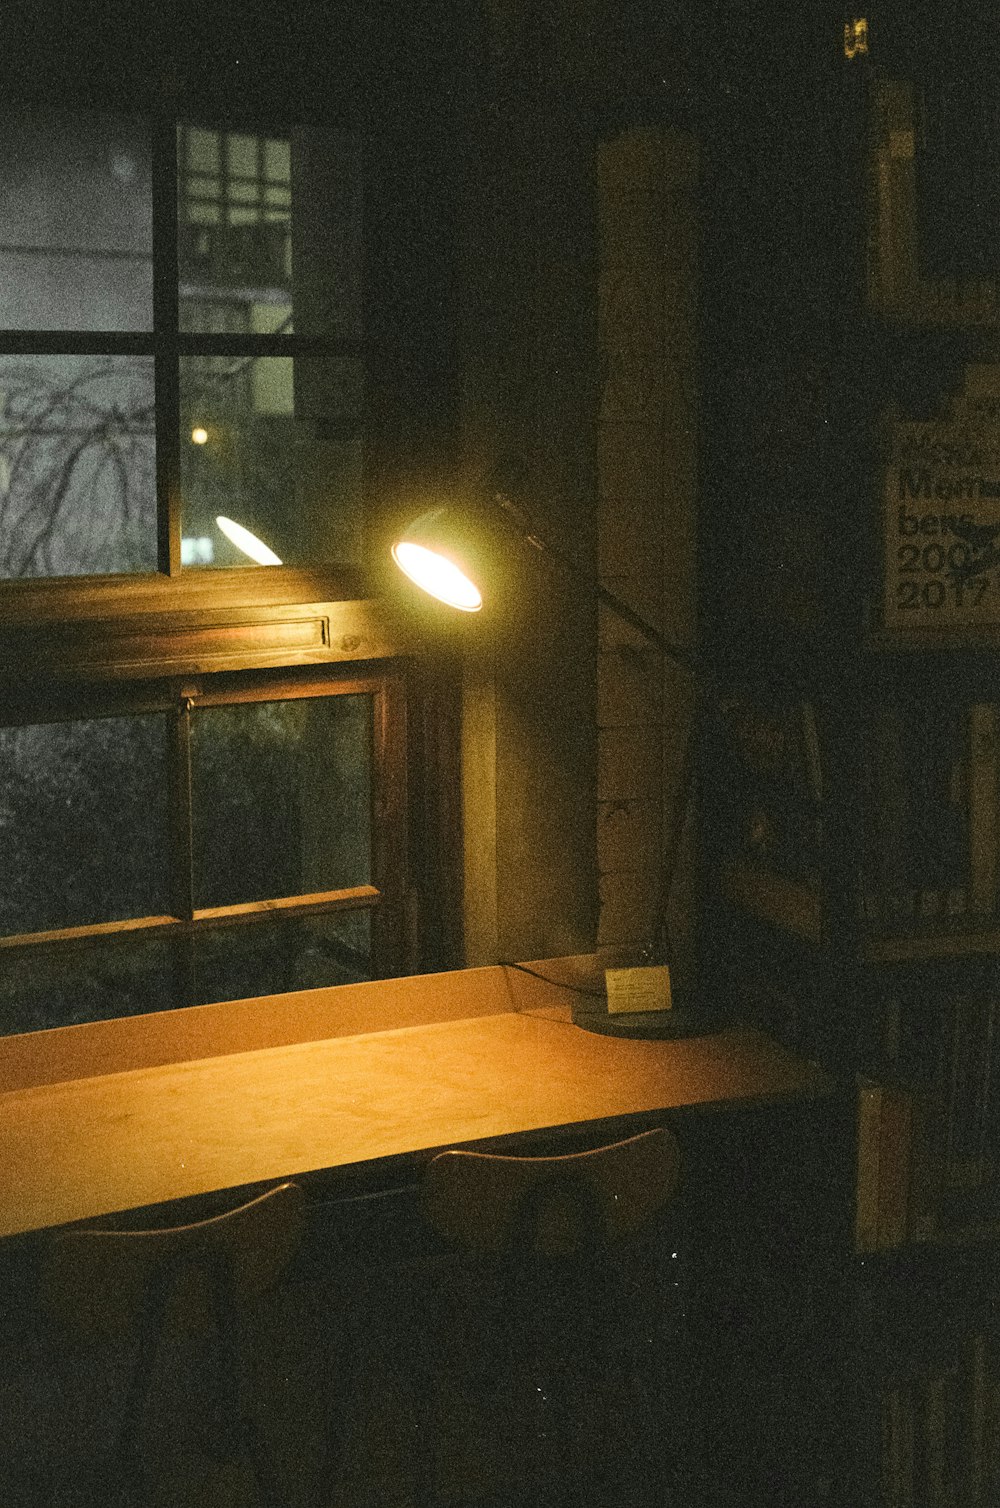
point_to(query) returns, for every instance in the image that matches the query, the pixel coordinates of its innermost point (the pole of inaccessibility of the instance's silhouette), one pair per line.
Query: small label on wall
(640, 989)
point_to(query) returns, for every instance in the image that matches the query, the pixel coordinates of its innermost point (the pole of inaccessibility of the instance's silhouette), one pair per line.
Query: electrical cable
(576, 989)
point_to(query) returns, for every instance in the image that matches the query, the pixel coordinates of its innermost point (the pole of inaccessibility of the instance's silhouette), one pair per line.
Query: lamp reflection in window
(255, 548)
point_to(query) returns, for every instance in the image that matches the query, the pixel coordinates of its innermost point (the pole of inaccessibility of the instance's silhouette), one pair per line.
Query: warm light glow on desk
(257, 550)
(441, 551)
(437, 575)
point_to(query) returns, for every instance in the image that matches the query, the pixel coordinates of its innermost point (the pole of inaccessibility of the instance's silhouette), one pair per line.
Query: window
(235, 197)
(180, 342)
(201, 798)
(182, 843)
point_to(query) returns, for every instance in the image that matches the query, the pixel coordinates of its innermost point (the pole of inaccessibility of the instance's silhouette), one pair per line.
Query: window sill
(72, 598)
(194, 632)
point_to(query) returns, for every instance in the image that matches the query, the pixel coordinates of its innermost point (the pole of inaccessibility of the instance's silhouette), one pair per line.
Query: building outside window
(181, 385)
(212, 279)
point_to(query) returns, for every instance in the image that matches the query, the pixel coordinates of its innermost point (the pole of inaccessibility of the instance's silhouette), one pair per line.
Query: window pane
(203, 151)
(241, 152)
(64, 986)
(82, 812)
(300, 256)
(276, 447)
(281, 797)
(266, 958)
(277, 161)
(203, 212)
(75, 224)
(77, 465)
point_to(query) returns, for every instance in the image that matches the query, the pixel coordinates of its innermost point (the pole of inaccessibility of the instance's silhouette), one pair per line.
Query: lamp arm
(522, 525)
(667, 647)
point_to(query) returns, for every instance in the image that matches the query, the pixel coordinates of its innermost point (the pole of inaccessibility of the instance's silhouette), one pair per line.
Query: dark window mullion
(165, 328)
(181, 839)
(182, 848)
(243, 343)
(388, 825)
(75, 343)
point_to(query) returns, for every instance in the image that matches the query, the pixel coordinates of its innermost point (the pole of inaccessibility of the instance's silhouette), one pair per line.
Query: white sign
(942, 526)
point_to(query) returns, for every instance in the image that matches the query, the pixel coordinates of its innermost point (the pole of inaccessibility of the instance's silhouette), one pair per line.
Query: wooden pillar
(528, 362)
(646, 463)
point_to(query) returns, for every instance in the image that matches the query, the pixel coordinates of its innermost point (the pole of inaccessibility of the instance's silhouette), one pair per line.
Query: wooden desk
(98, 1142)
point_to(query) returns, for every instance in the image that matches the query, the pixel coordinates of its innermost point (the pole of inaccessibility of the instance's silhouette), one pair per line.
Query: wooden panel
(646, 460)
(630, 764)
(207, 643)
(629, 837)
(628, 899)
(226, 638)
(526, 352)
(32, 1059)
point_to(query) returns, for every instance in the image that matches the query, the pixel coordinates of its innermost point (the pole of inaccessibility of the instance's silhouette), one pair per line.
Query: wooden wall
(528, 378)
(647, 511)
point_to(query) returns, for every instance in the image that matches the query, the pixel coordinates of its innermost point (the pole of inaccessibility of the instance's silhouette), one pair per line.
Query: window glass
(77, 465)
(243, 155)
(100, 980)
(274, 446)
(83, 816)
(65, 986)
(277, 161)
(281, 798)
(269, 247)
(267, 958)
(202, 151)
(273, 223)
(107, 842)
(75, 224)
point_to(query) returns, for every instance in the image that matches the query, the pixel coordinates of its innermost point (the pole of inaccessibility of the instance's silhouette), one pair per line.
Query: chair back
(98, 1281)
(551, 1206)
(182, 1290)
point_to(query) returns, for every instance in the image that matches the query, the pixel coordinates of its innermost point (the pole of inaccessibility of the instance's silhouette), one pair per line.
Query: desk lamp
(440, 551)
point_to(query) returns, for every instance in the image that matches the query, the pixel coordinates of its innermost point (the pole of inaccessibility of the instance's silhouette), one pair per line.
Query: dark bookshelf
(850, 587)
(851, 580)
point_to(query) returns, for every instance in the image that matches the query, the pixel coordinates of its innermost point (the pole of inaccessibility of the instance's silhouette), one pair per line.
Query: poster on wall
(942, 520)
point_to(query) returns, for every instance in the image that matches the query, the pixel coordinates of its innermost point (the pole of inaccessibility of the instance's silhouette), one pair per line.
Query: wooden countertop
(103, 1142)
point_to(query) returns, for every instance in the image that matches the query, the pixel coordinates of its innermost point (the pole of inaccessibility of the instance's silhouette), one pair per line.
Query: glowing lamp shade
(257, 550)
(427, 556)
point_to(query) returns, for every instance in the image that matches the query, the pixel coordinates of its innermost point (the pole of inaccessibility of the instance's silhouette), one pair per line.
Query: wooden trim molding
(286, 907)
(203, 640)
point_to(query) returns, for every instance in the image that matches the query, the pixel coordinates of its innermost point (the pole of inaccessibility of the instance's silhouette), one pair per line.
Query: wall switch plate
(646, 988)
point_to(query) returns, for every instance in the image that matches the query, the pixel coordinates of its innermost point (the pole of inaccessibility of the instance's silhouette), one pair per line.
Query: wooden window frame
(171, 585)
(385, 897)
(80, 646)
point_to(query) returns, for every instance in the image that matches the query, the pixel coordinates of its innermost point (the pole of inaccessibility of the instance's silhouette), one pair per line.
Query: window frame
(68, 644)
(176, 697)
(173, 584)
